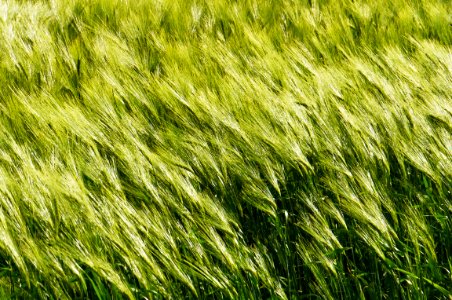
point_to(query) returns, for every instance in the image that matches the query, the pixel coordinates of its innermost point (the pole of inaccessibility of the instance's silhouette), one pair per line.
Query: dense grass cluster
(225, 149)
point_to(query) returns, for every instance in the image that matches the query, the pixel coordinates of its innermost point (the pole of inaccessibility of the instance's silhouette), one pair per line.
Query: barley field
(247, 149)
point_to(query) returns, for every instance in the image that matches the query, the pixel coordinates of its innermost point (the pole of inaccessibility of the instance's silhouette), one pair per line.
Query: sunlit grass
(225, 149)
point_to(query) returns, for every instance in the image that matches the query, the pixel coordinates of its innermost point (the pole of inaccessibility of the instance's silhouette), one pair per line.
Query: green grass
(225, 149)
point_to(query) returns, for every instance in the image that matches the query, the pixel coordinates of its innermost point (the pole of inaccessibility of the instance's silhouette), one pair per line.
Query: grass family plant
(255, 149)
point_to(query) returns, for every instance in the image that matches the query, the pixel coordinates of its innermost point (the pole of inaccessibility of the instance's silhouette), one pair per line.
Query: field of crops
(247, 149)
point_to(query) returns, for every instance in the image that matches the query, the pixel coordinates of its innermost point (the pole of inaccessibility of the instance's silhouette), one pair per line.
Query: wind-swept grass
(225, 149)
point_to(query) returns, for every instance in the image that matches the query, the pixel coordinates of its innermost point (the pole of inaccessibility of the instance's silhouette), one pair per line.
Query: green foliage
(271, 149)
